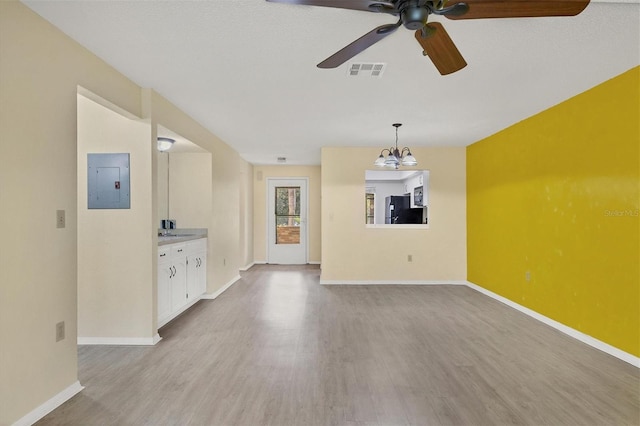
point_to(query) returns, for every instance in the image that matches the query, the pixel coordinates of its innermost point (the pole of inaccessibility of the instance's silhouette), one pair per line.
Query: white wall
(353, 252)
(114, 269)
(190, 189)
(40, 70)
(260, 175)
(246, 213)
(224, 259)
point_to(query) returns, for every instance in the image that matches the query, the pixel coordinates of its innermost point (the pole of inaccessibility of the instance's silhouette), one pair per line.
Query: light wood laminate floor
(279, 349)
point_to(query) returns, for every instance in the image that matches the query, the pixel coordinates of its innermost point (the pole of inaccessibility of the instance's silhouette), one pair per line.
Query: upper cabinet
(416, 186)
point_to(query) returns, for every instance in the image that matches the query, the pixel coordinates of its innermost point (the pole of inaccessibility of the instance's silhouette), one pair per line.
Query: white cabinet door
(165, 272)
(179, 284)
(196, 268)
(196, 275)
(182, 277)
(201, 281)
(192, 278)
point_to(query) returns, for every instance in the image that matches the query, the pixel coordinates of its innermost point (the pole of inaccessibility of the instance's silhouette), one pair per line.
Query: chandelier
(395, 157)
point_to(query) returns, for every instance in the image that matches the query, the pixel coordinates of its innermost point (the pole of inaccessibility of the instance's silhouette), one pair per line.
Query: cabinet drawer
(164, 253)
(178, 250)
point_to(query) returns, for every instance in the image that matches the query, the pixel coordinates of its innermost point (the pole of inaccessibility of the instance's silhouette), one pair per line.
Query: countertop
(180, 236)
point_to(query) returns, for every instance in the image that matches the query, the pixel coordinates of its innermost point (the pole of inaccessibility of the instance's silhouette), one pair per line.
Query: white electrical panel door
(108, 181)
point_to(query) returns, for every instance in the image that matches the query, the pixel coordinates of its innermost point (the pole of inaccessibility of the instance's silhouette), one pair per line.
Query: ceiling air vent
(367, 69)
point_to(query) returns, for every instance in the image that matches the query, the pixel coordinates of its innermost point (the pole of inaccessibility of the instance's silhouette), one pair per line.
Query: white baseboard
(156, 339)
(584, 338)
(206, 296)
(221, 289)
(50, 405)
(120, 341)
(389, 282)
(264, 262)
(247, 267)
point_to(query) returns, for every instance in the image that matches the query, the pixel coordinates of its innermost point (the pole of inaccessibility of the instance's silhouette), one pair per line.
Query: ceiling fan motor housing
(414, 16)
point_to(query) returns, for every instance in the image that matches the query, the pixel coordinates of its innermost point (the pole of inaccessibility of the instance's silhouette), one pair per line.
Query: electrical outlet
(60, 331)
(60, 220)
(409, 258)
(527, 275)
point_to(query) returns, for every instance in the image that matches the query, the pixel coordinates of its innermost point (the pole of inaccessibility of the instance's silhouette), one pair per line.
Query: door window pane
(287, 215)
(369, 202)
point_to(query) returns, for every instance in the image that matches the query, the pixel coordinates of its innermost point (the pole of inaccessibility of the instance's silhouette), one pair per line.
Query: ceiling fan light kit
(395, 157)
(432, 37)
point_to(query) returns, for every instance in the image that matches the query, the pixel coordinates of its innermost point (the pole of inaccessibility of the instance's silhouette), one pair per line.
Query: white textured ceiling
(246, 69)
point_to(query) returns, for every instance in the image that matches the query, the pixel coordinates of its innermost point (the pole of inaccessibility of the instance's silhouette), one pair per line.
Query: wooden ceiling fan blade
(368, 5)
(352, 49)
(479, 9)
(440, 48)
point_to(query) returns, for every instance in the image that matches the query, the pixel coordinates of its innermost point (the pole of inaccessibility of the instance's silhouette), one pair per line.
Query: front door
(287, 221)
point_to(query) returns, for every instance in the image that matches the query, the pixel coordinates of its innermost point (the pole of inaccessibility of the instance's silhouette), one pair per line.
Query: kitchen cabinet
(165, 273)
(196, 269)
(182, 277)
(419, 180)
(179, 278)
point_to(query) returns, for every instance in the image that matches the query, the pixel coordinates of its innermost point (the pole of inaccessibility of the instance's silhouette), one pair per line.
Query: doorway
(287, 212)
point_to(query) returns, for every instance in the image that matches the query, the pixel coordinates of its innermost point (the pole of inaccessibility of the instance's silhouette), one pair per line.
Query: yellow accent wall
(557, 195)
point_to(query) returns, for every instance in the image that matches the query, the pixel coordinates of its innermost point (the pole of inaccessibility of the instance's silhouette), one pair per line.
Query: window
(370, 207)
(396, 197)
(287, 215)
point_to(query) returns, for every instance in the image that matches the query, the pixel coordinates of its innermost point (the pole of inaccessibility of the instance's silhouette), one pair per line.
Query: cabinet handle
(180, 251)
(163, 254)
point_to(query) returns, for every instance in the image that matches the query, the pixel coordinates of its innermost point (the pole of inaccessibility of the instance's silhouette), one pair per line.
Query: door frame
(268, 182)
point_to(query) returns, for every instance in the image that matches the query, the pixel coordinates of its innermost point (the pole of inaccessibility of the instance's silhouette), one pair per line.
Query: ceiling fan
(433, 38)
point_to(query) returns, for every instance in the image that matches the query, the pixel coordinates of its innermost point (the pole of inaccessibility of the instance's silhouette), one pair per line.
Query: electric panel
(108, 181)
